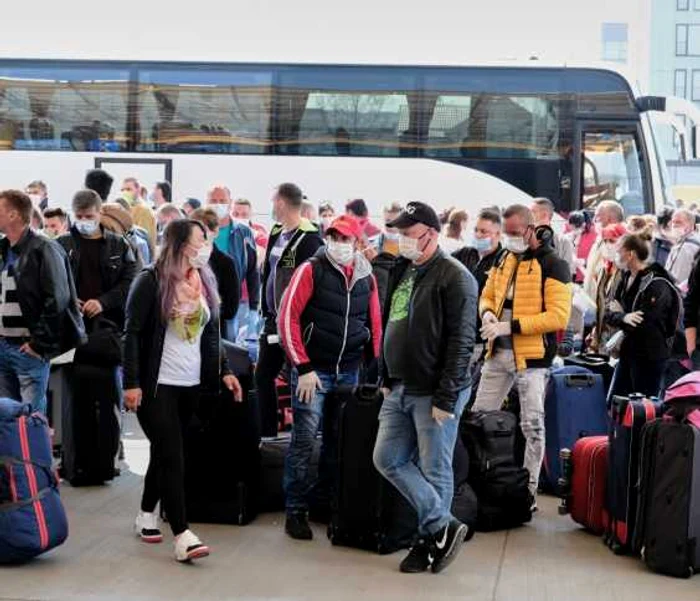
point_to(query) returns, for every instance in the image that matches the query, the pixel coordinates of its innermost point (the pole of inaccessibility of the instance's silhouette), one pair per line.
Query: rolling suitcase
(586, 483)
(368, 512)
(669, 498)
(496, 476)
(32, 518)
(222, 455)
(90, 426)
(629, 415)
(574, 407)
(598, 364)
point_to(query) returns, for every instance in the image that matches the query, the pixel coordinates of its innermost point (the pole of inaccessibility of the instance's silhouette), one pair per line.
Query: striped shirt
(12, 322)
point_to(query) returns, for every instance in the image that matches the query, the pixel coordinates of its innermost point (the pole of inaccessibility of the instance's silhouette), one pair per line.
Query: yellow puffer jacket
(541, 303)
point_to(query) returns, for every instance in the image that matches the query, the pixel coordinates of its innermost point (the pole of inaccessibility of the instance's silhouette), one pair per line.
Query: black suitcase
(668, 535)
(368, 512)
(598, 364)
(90, 426)
(629, 416)
(222, 454)
(495, 474)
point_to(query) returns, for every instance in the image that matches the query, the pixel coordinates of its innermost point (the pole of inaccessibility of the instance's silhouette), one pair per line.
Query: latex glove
(307, 387)
(488, 317)
(491, 331)
(633, 319)
(441, 416)
(231, 382)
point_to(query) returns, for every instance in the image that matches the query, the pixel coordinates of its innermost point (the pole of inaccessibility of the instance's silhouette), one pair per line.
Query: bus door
(610, 166)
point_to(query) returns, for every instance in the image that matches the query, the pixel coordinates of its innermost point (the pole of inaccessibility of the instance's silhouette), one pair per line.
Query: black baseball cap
(416, 212)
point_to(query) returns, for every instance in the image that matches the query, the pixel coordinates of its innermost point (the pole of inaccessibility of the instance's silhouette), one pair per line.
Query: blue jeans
(414, 453)
(307, 418)
(23, 377)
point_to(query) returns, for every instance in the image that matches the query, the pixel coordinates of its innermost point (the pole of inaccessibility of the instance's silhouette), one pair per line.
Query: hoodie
(654, 293)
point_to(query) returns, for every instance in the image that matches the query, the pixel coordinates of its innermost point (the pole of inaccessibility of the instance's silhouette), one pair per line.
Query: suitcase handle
(579, 380)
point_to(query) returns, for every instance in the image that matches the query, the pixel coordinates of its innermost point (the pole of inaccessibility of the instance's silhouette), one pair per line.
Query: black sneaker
(446, 544)
(418, 559)
(297, 526)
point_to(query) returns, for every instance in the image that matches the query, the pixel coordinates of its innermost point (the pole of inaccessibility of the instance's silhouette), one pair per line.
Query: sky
(439, 31)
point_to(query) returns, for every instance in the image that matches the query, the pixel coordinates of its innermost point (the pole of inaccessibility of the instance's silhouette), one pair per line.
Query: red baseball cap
(346, 225)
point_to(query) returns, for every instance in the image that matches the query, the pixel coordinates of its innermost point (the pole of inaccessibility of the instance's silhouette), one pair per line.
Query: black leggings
(163, 420)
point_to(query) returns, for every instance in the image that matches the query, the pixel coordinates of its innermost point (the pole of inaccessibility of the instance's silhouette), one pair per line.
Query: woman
(453, 238)
(607, 278)
(583, 235)
(172, 352)
(646, 309)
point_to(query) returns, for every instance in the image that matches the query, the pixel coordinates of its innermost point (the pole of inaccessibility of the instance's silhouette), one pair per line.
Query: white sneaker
(188, 546)
(147, 527)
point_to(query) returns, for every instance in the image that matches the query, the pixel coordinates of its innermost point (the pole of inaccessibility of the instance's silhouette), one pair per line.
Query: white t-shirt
(181, 362)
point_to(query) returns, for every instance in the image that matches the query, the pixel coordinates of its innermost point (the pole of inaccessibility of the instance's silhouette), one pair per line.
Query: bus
(451, 135)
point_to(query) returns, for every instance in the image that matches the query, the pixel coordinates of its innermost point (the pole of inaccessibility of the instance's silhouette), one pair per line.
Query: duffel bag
(32, 518)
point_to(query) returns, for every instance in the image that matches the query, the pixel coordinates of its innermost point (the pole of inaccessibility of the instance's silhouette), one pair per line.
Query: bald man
(685, 248)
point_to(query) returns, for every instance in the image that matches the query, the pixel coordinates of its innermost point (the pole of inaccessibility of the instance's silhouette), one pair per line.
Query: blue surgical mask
(482, 245)
(87, 227)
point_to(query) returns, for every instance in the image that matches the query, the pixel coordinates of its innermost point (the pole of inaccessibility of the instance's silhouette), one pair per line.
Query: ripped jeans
(497, 377)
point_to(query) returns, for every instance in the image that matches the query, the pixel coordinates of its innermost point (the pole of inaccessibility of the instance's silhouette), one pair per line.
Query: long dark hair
(168, 267)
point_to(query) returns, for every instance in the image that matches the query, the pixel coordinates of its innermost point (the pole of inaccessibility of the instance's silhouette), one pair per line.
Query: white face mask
(202, 257)
(609, 252)
(619, 263)
(408, 248)
(515, 244)
(327, 222)
(677, 232)
(36, 199)
(342, 253)
(87, 227)
(220, 210)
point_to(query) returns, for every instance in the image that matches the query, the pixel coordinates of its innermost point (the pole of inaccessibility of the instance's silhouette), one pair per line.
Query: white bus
(450, 135)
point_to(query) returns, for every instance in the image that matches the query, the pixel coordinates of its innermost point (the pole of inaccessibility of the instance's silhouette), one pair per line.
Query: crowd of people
(418, 305)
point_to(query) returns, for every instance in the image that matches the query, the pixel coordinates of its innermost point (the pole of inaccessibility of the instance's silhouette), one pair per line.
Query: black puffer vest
(335, 322)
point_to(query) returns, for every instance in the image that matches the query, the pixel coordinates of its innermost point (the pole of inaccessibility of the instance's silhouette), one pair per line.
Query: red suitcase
(589, 473)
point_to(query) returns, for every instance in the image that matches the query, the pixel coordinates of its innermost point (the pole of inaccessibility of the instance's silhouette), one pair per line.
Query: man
(39, 319)
(223, 267)
(608, 212)
(358, 209)
(103, 264)
(243, 211)
(237, 241)
(39, 194)
(308, 211)
(162, 194)
(326, 214)
(293, 240)
(685, 248)
(165, 214)
(55, 222)
(327, 311)
(190, 205)
(662, 243)
(429, 337)
(142, 214)
(480, 259)
(387, 252)
(389, 238)
(543, 212)
(527, 298)
(100, 181)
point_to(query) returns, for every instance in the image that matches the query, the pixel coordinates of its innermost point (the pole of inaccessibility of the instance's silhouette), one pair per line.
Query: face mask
(677, 233)
(240, 221)
(128, 196)
(202, 257)
(86, 227)
(50, 234)
(619, 263)
(515, 244)
(482, 245)
(220, 210)
(36, 199)
(408, 248)
(327, 222)
(609, 253)
(342, 253)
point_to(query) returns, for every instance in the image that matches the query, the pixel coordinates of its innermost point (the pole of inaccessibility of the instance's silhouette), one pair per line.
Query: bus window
(63, 108)
(346, 111)
(612, 170)
(491, 126)
(204, 110)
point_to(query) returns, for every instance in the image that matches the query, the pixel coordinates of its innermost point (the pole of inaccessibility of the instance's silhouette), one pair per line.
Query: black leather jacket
(145, 334)
(442, 320)
(46, 294)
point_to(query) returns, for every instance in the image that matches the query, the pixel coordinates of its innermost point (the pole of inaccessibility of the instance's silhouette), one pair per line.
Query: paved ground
(548, 560)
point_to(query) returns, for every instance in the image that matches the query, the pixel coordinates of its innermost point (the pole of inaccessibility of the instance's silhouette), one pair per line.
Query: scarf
(188, 316)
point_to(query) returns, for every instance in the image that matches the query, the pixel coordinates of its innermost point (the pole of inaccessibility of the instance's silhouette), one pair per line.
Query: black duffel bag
(104, 344)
